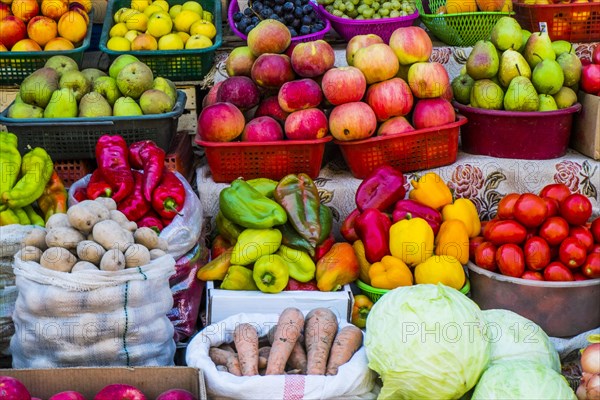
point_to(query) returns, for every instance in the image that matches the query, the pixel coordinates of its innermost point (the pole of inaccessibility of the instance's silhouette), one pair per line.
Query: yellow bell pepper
(431, 190)
(453, 240)
(363, 263)
(446, 270)
(411, 240)
(216, 269)
(464, 210)
(390, 273)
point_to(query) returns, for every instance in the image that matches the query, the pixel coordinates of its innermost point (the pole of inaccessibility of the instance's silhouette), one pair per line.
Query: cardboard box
(585, 136)
(44, 383)
(221, 304)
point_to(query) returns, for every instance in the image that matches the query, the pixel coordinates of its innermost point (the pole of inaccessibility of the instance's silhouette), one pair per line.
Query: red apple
(596, 54)
(411, 44)
(120, 391)
(68, 395)
(428, 79)
(176, 394)
(432, 112)
(394, 126)
(272, 70)
(12, 29)
(390, 98)
(220, 122)
(310, 59)
(358, 42)
(306, 124)
(270, 107)
(352, 121)
(590, 78)
(299, 95)
(262, 129)
(240, 91)
(4, 10)
(343, 85)
(377, 62)
(211, 96)
(12, 389)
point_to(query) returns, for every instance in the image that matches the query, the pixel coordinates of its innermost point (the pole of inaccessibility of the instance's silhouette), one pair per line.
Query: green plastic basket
(176, 65)
(18, 65)
(460, 29)
(375, 293)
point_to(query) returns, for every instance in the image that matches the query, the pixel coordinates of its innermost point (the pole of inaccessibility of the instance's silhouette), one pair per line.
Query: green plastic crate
(176, 65)
(16, 66)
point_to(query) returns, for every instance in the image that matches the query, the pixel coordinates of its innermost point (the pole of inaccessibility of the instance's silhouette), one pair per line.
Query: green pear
(63, 104)
(93, 105)
(24, 110)
(526, 34)
(18, 98)
(461, 88)
(134, 79)
(117, 65)
(512, 64)
(565, 97)
(126, 107)
(167, 86)
(506, 34)
(107, 87)
(37, 88)
(547, 103)
(62, 64)
(486, 94)
(562, 46)
(538, 48)
(92, 73)
(521, 95)
(483, 62)
(75, 81)
(154, 101)
(571, 66)
(547, 77)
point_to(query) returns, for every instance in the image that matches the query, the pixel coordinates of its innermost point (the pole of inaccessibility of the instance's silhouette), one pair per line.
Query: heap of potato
(92, 235)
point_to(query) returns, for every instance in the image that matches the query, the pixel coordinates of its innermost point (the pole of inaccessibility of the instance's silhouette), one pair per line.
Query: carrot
(289, 328)
(223, 357)
(297, 359)
(245, 338)
(346, 343)
(319, 331)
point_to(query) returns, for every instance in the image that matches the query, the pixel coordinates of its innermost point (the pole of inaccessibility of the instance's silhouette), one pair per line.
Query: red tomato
(584, 235)
(554, 230)
(530, 210)
(486, 225)
(595, 229)
(595, 248)
(576, 209)
(533, 275)
(591, 267)
(473, 244)
(557, 191)
(537, 253)
(556, 271)
(506, 231)
(485, 256)
(578, 276)
(510, 260)
(507, 205)
(552, 205)
(572, 252)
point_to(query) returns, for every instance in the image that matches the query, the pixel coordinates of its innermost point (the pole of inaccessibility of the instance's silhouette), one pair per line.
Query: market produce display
(155, 25)
(368, 9)
(61, 90)
(48, 25)
(590, 74)
(455, 6)
(589, 387)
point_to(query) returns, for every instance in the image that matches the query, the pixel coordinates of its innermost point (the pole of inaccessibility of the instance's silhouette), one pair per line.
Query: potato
(156, 253)
(122, 220)
(107, 202)
(146, 237)
(58, 221)
(90, 237)
(136, 256)
(113, 260)
(84, 266)
(91, 251)
(68, 238)
(110, 235)
(31, 253)
(162, 244)
(36, 238)
(85, 215)
(58, 259)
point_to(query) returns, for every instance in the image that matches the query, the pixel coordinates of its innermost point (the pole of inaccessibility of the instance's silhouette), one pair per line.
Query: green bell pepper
(291, 238)
(22, 215)
(301, 266)
(36, 170)
(246, 206)
(271, 273)
(226, 228)
(8, 217)
(238, 278)
(33, 216)
(265, 186)
(10, 162)
(253, 244)
(326, 220)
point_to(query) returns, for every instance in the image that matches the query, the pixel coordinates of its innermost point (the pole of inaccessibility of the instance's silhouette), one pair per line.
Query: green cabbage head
(426, 342)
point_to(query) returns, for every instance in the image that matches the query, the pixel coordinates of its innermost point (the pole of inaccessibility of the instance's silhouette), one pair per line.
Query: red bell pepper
(135, 205)
(152, 160)
(80, 194)
(347, 229)
(373, 229)
(324, 247)
(308, 286)
(381, 189)
(135, 158)
(168, 198)
(97, 186)
(413, 209)
(151, 220)
(112, 156)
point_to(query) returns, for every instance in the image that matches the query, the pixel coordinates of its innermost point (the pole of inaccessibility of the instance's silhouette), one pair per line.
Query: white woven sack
(354, 379)
(11, 237)
(183, 232)
(93, 318)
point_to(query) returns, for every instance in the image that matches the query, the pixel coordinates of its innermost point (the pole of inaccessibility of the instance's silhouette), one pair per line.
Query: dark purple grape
(288, 6)
(288, 18)
(248, 29)
(248, 12)
(306, 20)
(293, 32)
(278, 9)
(307, 9)
(237, 17)
(304, 30)
(298, 13)
(254, 20)
(295, 24)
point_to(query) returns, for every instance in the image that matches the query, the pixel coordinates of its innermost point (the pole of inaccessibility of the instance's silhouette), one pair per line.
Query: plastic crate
(75, 138)
(234, 7)
(375, 294)
(574, 22)
(384, 27)
(459, 29)
(230, 160)
(70, 171)
(412, 151)
(18, 65)
(176, 65)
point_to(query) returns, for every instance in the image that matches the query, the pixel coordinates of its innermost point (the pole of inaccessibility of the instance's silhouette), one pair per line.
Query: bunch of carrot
(296, 345)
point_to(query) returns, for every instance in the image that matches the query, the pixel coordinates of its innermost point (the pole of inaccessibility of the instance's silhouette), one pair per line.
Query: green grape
(338, 13)
(395, 14)
(387, 5)
(355, 2)
(384, 12)
(337, 3)
(361, 8)
(376, 16)
(403, 13)
(367, 2)
(360, 17)
(341, 7)
(375, 6)
(368, 13)
(349, 6)
(405, 7)
(330, 9)
(346, 17)
(396, 5)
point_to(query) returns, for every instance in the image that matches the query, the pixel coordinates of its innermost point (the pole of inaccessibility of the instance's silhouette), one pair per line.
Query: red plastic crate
(421, 149)
(70, 171)
(574, 22)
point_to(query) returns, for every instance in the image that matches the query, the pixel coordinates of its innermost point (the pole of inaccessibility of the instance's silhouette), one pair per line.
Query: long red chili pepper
(151, 158)
(168, 198)
(112, 156)
(135, 206)
(80, 194)
(151, 220)
(135, 159)
(97, 186)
